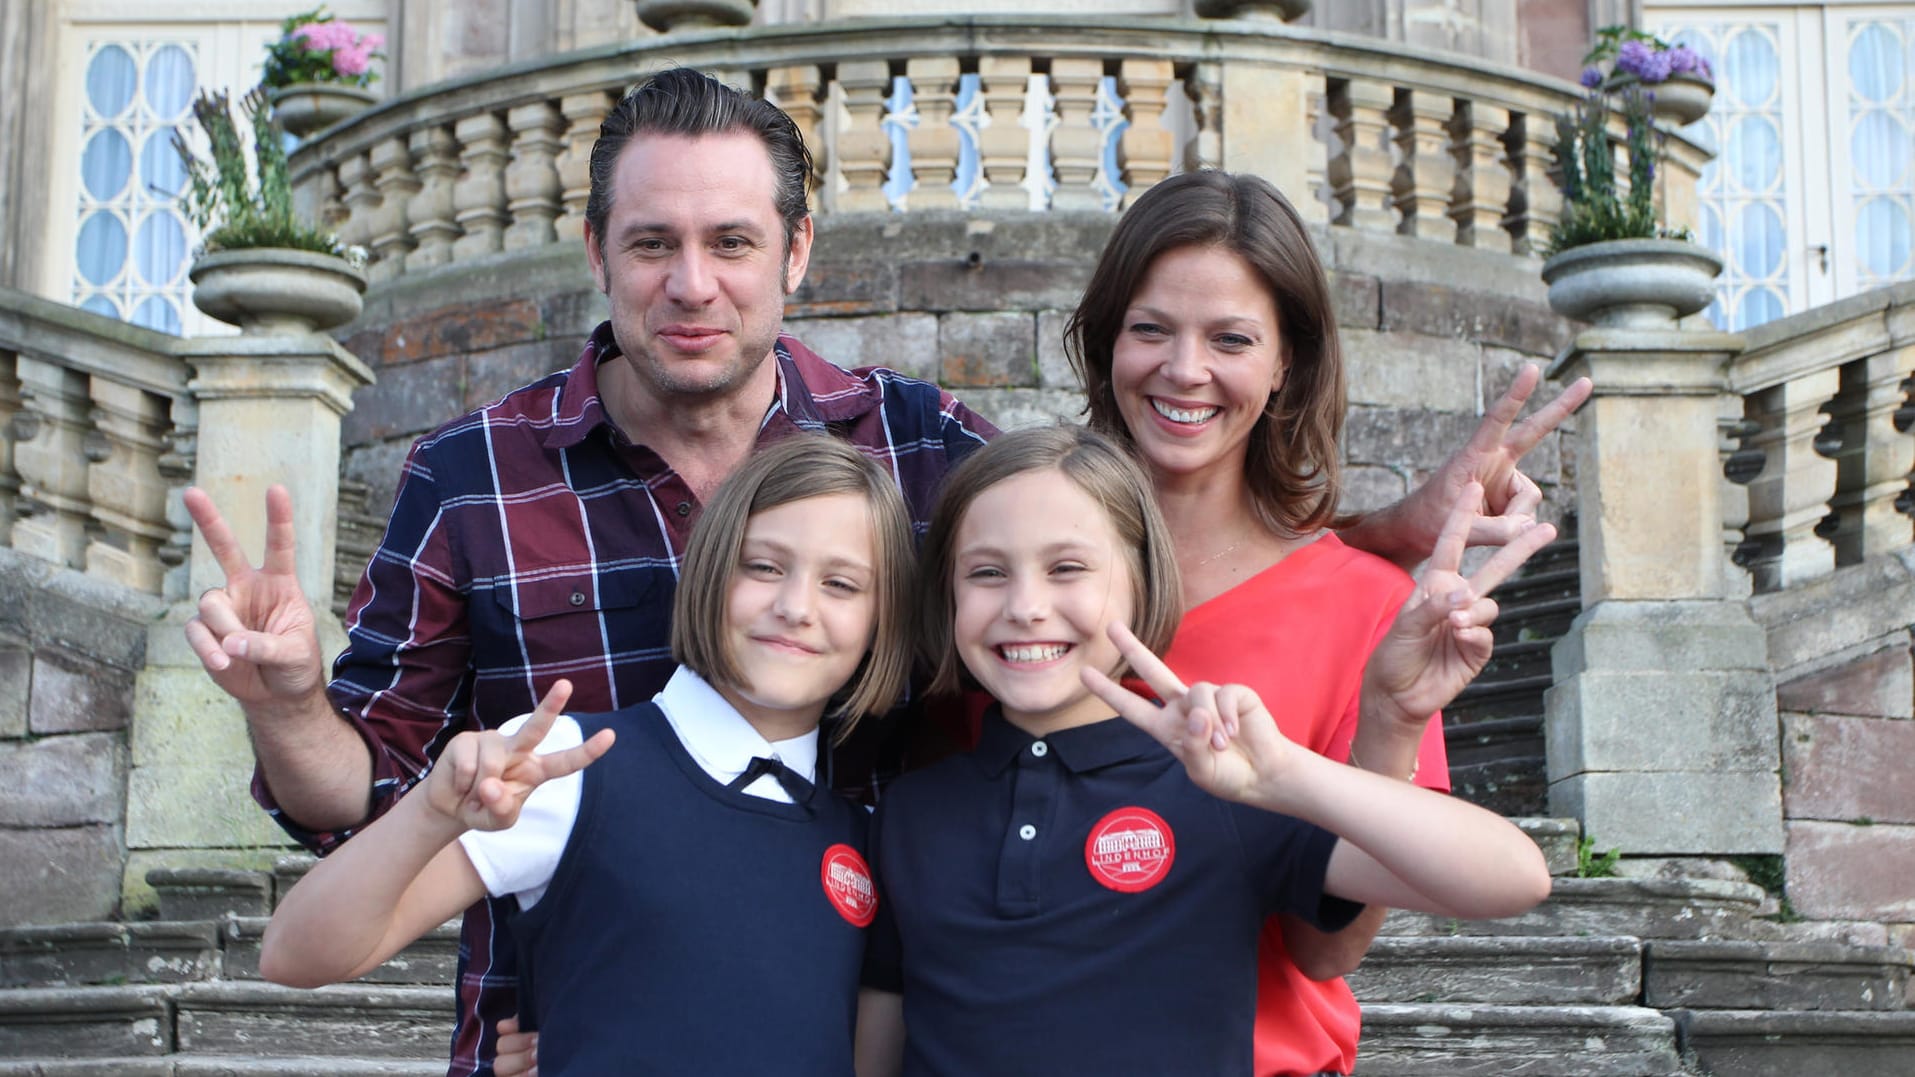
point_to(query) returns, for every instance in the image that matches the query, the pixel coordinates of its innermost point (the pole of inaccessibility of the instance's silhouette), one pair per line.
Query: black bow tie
(794, 783)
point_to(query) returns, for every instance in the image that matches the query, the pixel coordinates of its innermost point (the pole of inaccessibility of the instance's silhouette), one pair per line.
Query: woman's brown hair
(1106, 474)
(1292, 465)
(799, 467)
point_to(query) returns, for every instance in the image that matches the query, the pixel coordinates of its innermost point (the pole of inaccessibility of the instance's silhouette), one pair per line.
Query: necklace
(1232, 548)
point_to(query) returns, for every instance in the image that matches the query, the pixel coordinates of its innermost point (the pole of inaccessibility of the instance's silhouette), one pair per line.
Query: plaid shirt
(531, 540)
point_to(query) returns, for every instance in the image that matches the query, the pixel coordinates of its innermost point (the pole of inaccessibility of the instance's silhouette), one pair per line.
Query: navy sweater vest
(693, 929)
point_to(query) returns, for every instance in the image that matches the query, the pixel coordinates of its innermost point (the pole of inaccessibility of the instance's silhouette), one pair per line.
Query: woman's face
(1197, 357)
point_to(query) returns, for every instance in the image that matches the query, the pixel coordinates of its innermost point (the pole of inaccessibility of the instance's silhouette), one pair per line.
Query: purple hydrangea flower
(1644, 61)
(1592, 77)
(1684, 60)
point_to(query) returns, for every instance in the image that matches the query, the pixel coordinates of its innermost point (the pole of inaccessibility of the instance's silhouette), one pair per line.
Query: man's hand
(1407, 531)
(255, 635)
(1441, 637)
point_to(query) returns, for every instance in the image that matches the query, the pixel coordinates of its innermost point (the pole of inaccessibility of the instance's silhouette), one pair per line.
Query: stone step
(1754, 1043)
(1417, 1040)
(1557, 839)
(344, 1020)
(1651, 908)
(210, 893)
(86, 1022)
(433, 959)
(1747, 975)
(164, 951)
(1489, 970)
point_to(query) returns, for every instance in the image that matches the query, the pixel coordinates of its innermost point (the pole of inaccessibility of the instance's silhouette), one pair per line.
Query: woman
(1207, 344)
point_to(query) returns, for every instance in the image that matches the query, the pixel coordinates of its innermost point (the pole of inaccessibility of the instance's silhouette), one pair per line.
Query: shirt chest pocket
(572, 614)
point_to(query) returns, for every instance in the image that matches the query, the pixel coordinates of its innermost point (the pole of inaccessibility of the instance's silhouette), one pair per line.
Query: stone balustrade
(982, 115)
(1826, 437)
(96, 437)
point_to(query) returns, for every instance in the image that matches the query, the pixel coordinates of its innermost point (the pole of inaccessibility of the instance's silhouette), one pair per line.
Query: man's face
(694, 261)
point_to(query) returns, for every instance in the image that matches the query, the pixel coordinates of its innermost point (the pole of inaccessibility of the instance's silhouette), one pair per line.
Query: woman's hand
(1221, 733)
(1441, 637)
(482, 779)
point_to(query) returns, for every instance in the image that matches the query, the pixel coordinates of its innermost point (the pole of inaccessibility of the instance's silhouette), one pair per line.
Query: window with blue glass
(131, 242)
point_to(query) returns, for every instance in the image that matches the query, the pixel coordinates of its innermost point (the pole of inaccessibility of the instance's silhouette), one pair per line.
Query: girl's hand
(1222, 734)
(518, 1051)
(1441, 638)
(482, 779)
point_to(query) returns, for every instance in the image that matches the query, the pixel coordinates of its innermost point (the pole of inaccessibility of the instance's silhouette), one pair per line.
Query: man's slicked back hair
(690, 103)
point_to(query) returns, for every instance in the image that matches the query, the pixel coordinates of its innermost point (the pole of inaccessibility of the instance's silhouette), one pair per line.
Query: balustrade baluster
(863, 148)
(795, 89)
(1146, 146)
(934, 142)
(1873, 463)
(1425, 176)
(1791, 495)
(9, 407)
(583, 113)
(1076, 145)
(532, 179)
(49, 432)
(1481, 196)
(1206, 100)
(124, 484)
(175, 466)
(1360, 176)
(361, 200)
(478, 199)
(392, 165)
(430, 210)
(1535, 204)
(1003, 144)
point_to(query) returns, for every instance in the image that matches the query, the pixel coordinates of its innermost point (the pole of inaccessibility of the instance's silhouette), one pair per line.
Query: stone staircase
(1618, 976)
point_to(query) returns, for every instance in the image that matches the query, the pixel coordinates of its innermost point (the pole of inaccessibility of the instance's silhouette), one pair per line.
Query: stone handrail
(1823, 407)
(96, 437)
(985, 114)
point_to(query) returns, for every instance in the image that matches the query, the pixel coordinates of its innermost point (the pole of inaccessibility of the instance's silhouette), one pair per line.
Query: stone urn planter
(666, 16)
(1281, 10)
(306, 108)
(275, 290)
(1679, 100)
(1632, 283)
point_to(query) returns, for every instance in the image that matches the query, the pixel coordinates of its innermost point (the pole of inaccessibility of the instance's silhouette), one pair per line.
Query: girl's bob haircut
(1109, 476)
(1291, 464)
(799, 467)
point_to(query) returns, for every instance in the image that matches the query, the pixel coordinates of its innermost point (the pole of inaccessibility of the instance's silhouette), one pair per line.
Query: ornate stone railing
(985, 114)
(1826, 435)
(96, 428)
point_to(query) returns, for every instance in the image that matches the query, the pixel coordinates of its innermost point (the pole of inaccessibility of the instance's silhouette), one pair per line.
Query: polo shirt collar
(1080, 749)
(811, 392)
(718, 737)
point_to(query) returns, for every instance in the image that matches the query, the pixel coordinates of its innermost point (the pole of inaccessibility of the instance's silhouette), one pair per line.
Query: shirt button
(684, 508)
(1027, 832)
(1040, 749)
(578, 598)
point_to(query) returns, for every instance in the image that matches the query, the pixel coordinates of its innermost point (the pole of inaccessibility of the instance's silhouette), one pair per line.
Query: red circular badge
(848, 884)
(1130, 850)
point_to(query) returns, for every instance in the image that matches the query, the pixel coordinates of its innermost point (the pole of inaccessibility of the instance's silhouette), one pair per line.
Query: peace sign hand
(255, 635)
(482, 779)
(1441, 637)
(1508, 499)
(1222, 734)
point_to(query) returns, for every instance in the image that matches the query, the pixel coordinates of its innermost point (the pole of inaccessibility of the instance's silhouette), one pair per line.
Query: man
(540, 536)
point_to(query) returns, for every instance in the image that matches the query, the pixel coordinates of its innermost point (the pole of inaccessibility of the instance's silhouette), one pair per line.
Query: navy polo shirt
(1076, 905)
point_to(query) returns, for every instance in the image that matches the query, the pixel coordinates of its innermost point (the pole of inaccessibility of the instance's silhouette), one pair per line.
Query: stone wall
(1431, 333)
(70, 647)
(1845, 687)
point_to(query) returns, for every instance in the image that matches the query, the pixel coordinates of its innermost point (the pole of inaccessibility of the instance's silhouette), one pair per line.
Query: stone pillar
(269, 412)
(1662, 730)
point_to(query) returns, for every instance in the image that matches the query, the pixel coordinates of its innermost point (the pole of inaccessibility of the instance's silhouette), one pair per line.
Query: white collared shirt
(522, 859)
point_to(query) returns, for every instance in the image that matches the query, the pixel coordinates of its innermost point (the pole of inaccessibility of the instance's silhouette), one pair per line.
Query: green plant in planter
(1596, 207)
(238, 205)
